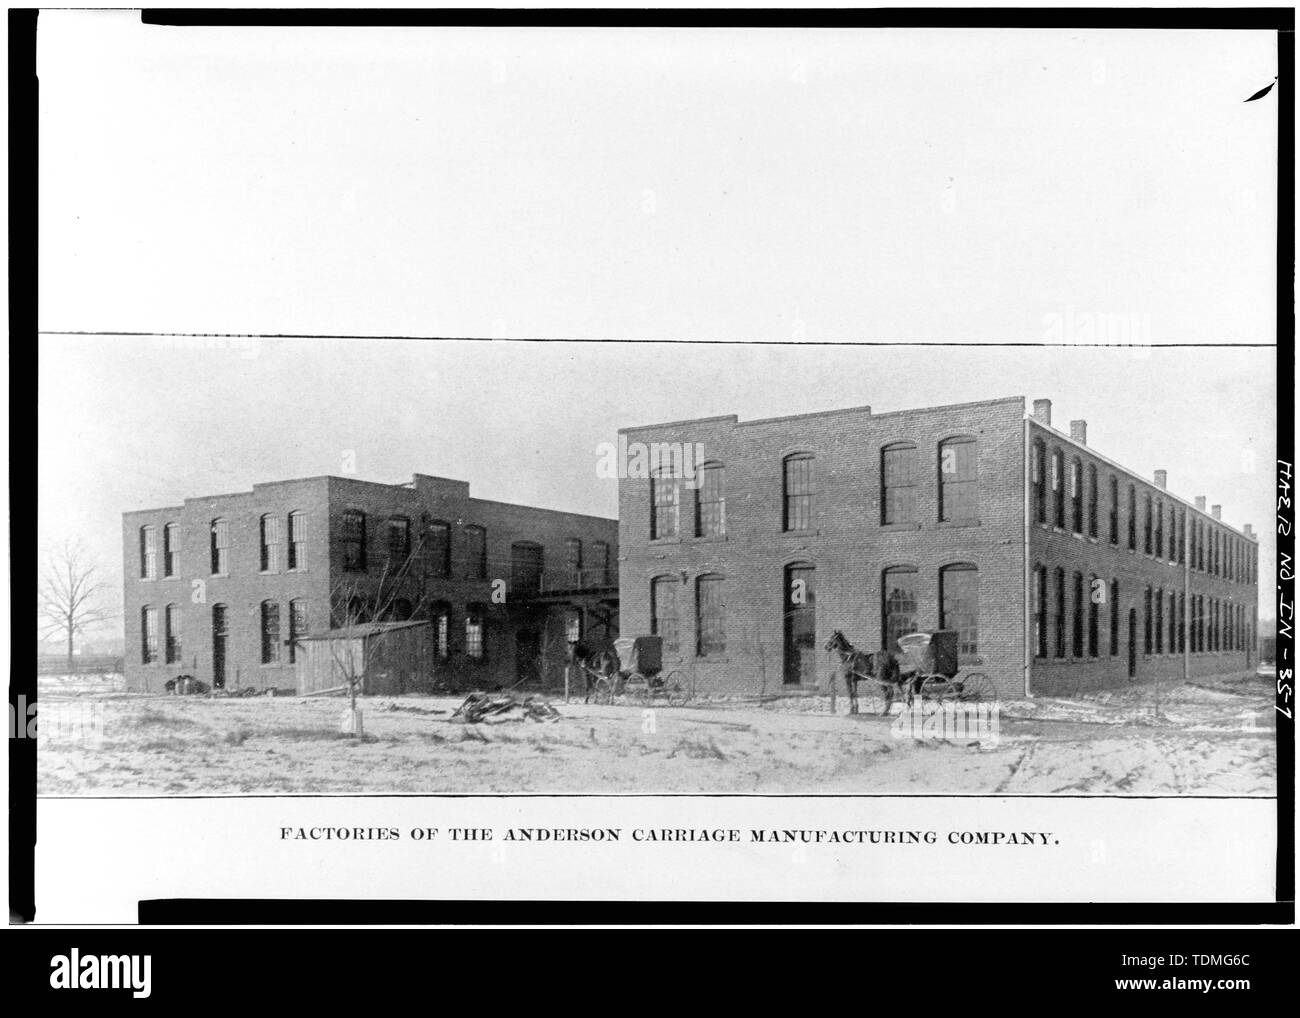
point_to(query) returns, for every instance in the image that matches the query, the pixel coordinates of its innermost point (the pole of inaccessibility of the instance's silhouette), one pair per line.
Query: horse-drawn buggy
(633, 668)
(925, 668)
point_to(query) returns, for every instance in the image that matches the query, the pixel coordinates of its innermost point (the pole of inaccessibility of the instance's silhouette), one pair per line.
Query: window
(299, 626)
(1114, 618)
(1114, 511)
(959, 606)
(797, 486)
(1076, 495)
(898, 601)
(171, 550)
(1160, 530)
(399, 539)
(270, 633)
(297, 540)
(475, 634)
(1160, 621)
(711, 502)
(148, 553)
(1058, 488)
(663, 612)
(148, 635)
(476, 552)
(600, 562)
(573, 625)
(1173, 622)
(573, 561)
(1076, 628)
(1040, 611)
(800, 648)
(1132, 518)
(1096, 591)
(710, 612)
(526, 562)
(1146, 622)
(898, 483)
(440, 613)
(663, 503)
(1058, 615)
(958, 479)
(354, 541)
(1146, 525)
(269, 542)
(219, 545)
(1182, 623)
(1092, 500)
(1181, 557)
(1037, 466)
(172, 633)
(438, 534)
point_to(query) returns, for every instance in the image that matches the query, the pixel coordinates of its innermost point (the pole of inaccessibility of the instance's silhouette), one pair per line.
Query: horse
(856, 665)
(594, 664)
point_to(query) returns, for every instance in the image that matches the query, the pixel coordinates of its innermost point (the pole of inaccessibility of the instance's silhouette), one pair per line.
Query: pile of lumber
(480, 707)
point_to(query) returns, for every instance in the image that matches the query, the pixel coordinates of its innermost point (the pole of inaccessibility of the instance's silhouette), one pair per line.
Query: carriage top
(929, 653)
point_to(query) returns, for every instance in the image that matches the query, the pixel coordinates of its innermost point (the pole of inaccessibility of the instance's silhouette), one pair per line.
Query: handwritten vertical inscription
(1285, 588)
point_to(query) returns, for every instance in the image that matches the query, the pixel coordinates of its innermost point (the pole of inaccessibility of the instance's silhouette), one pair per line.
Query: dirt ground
(1212, 738)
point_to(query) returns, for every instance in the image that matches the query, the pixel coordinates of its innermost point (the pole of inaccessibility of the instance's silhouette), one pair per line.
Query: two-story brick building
(222, 587)
(973, 517)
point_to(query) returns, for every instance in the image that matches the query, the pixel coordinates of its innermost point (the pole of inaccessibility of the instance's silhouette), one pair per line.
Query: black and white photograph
(794, 459)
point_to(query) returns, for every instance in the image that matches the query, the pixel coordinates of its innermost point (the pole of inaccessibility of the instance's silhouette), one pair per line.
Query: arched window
(664, 509)
(297, 540)
(600, 562)
(148, 635)
(353, 541)
(1092, 500)
(1173, 623)
(1114, 618)
(475, 551)
(800, 650)
(299, 626)
(1076, 495)
(148, 553)
(1114, 510)
(958, 479)
(1159, 622)
(270, 633)
(573, 561)
(711, 501)
(526, 564)
(1038, 466)
(1182, 623)
(438, 537)
(399, 539)
(1096, 592)
(475, 632)
(1076, 629)
(1147, 529)
(440, 616)
(1058, 489)
(898, 603)
(1146, 621)
(268, 529)
(898, 483)
(1040, 611)
(172, 620)
(797, 490)
(1132, 518)
(959, 606)
(219, 546)
(171, 550)
(1058, 614)
(663, 612)
(1160, 529)
(710, 616)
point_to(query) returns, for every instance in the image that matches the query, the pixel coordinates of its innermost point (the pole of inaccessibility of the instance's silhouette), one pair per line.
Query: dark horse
(594, 664)
(856, 665)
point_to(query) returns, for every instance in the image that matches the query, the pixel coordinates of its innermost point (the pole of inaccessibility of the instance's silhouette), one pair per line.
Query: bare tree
(70, 593)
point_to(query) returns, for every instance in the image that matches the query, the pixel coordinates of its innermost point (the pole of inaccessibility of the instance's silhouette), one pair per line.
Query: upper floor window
(1147, 529)
(797, 491)
(898, 600)
(663, 503)
(1092, 500)
(1038, 466)
(1160, 529)
(959, 606)
(710, 616)
(476, 552)
(297, 540)
(573, 561)
(1114, 510)
(219, 542)
(1076, 495)
(353, 540)
(148, 553)
(399, 538)
(171, 550)
(663, 611)
(1181, 530)
(898, 483)
(600, 561)
(1058, 489)
(526, 564)
(711, 502)
(438, 534)
(1132, 518)
(958, 479)
(269, 539)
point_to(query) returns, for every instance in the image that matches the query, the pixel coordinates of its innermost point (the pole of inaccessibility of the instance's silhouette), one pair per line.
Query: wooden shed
(390, 657)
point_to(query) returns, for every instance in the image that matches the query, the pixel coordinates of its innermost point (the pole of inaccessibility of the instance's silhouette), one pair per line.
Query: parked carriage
(929, 662)
(634, 669)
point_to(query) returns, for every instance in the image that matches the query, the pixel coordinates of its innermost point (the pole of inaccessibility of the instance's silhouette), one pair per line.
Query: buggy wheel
(674, 689)
(935, 690)
(976, 688)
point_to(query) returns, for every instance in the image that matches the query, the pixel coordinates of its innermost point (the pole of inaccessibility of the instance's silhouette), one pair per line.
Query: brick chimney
(1079, 431)
(1200, 502)
(1249, 531)
(1162, 479)
(1043, 411)
(1216, 511)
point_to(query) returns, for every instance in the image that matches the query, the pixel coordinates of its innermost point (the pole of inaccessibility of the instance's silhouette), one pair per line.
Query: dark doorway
(800, 627)
(220, 634)
(528, 647)
(1132, 643)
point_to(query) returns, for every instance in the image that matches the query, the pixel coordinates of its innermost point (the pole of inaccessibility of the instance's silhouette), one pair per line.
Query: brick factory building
(224, 587)
(752, 541)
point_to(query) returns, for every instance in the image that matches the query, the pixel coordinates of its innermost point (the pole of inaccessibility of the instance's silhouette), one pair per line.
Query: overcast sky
(864, 186)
